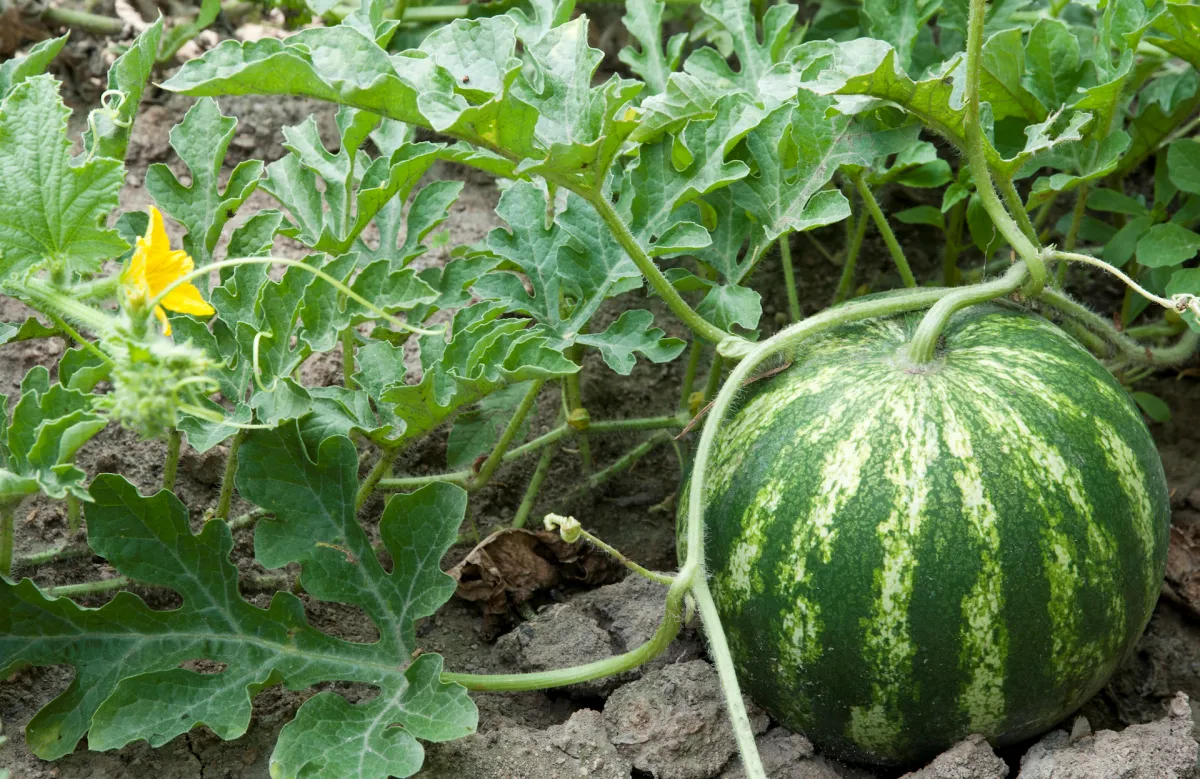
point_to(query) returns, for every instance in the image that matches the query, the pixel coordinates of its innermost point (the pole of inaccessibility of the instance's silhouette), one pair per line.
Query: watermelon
(903, 554)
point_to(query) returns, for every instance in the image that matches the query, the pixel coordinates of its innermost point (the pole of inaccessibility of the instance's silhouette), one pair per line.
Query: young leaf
(201, 141)
(49, 424)
(673, 172)
(51, 208)
(643, 20)
(1183, 165)
(1167, 245)
(476, 432)
(1054, 64)
(898, 22)
(922, 215)
(1155, 407)
(430, 207)
(633, 332)
(146, 695)
(736, 19)
(16, 69)
(1181, 23)
(484, 355)
(1155, 120)
(572, 266)
(110, 125)
(1119, 249)
(789, 195)
(1091, 161)
(1002, 74)
(26, 331)
(581, 128)
(326, 312)
(330, 218)
(871, 68)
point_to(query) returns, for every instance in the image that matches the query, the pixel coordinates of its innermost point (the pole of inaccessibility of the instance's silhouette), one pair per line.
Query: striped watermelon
(903, 556)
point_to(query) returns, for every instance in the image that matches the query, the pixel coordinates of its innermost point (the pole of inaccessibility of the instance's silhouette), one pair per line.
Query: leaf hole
(203, 665)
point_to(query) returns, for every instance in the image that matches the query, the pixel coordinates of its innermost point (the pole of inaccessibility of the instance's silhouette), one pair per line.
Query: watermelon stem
(1128, 349)
(718, 649)
(922, 349)
(885, 230)
(977, 157)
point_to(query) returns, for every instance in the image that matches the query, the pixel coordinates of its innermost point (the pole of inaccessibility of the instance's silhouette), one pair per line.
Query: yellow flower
(153, 267)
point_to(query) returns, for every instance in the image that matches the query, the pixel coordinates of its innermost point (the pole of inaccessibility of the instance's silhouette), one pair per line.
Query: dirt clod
(672, 722)
(558, 637)
(788, 755)
(1158, 750)
(577, 748)
(971, 758)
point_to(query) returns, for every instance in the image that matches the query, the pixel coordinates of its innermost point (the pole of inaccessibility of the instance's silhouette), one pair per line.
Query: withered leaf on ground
(508, 567)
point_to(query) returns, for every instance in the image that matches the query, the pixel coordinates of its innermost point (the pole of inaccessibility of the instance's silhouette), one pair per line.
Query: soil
(665, 720)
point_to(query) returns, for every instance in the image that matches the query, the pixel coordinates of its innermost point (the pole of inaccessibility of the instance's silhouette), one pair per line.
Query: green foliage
(680, 176)
(201, 141)
(146, 695)
(47, 426)
(57, 217)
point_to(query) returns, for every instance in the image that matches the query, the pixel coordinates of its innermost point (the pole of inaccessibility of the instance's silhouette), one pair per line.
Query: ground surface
(664, 721)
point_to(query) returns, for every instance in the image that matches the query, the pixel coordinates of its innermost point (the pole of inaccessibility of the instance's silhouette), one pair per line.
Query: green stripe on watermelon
(903, 556)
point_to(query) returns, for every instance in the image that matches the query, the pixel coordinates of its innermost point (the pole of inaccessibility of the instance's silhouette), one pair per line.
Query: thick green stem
(923, 347)
(686, 314)
(1080, 209)
(8, 514)
(573, 399)
(743, 731)
(1127, 299)
(689, 376)
(847, 279)
(540, 471)
(658, 643)
(102, 288)
(506, 438)
(1043, 216)
(1016, 207)
(74, 514)
(624, 463)
(82, 20)
(1127, 348)
(62, 325)
(463, 478)
(348, 343)
(714, 377)
(1162, 329)
(171, 464)
(977, 158)
(377, 472)
(950, 274)
(51, 555)
(885, 230)
(227, 478)
(89, 588)
(789, 276)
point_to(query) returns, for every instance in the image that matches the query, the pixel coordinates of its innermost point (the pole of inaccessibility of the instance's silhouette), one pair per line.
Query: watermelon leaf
(147, 695)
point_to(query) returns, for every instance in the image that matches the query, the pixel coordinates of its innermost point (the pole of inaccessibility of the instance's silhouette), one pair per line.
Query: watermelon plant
(926, 512)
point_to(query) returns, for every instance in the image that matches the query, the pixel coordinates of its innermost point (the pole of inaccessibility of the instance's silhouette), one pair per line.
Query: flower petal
(186, 299)
(156, 231)
(162, 317)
